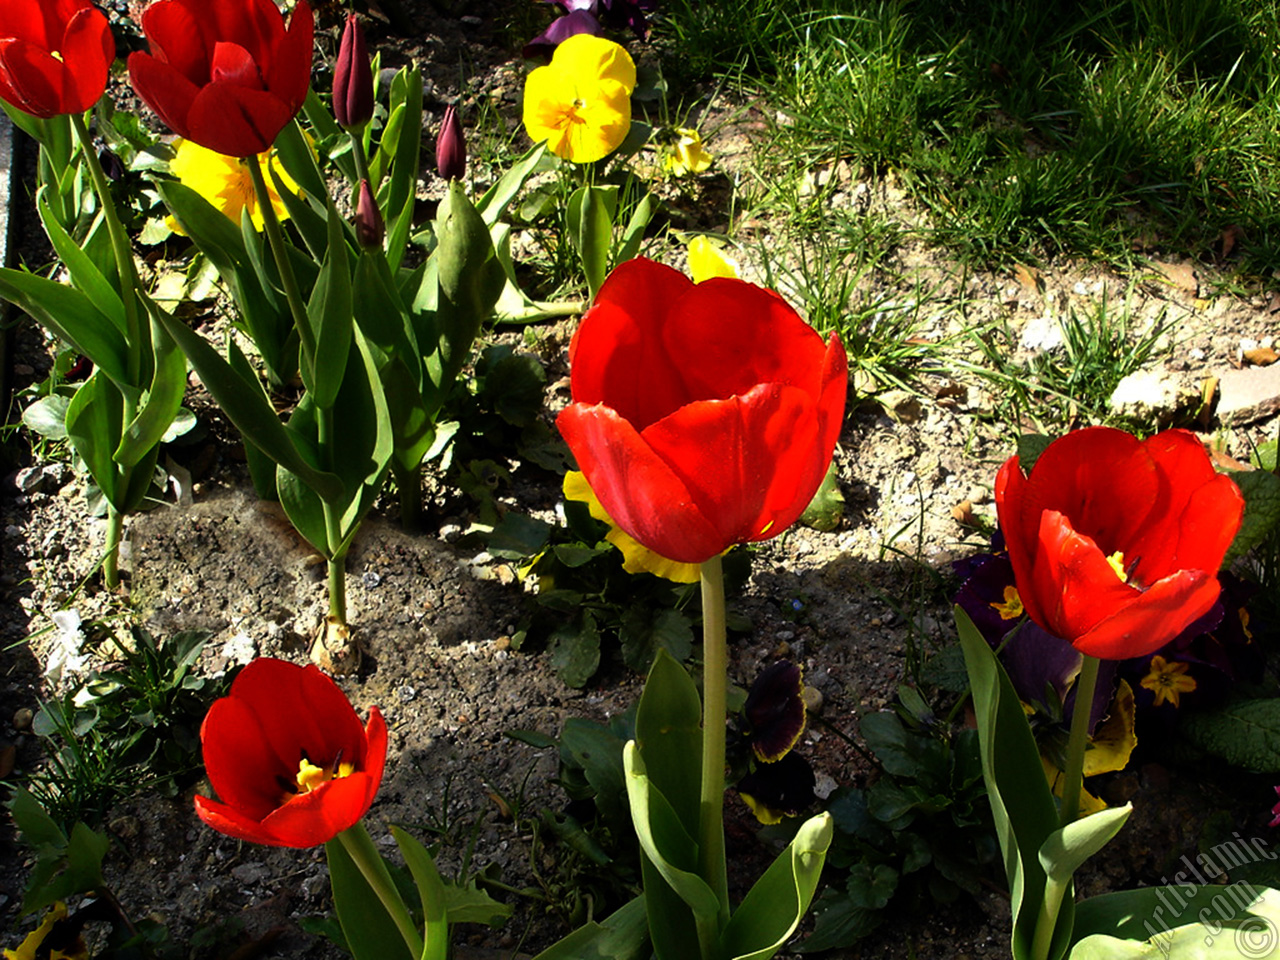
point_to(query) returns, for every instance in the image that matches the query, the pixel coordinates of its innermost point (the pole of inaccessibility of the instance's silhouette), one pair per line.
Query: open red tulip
(55, 56)
(703, 415)
(226, 74)
(1116, 542)
(289, 758)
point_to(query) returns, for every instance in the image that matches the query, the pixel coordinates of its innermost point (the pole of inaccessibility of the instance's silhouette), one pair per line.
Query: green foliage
(921, 834)
(133, 726)
(1245, 733)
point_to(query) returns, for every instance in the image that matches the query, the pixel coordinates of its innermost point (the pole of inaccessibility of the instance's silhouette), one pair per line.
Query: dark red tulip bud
(370, 228)
(353, 77)
(451, 147)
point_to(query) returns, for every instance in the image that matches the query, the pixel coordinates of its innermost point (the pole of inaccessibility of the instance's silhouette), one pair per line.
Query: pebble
(22, 718)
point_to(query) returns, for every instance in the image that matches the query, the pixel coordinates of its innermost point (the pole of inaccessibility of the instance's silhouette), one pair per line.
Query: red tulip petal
(310, 819)
(1101, 478)
(618, 356)
(289, 72)
(301, 710)
(375, 757)
(164, 89)
(245, 769)
(1153, 618)
(233, 823)
(232, 63)
(256, 25)
(640, 492)
(833, 389)
(725, 336)
(1020, 531)
(88, 50)
(1072, 580)
(33, 79)
(752, 463)
(177, 36)
(234, 120)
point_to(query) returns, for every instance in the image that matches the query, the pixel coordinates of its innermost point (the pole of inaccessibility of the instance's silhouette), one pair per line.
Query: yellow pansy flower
(706, 260)
(33, 945)
(580, 103)
(635, 557)
(1168, 680)
(225, 182)
(686, 153)
(1011, 608)
(1109, 749)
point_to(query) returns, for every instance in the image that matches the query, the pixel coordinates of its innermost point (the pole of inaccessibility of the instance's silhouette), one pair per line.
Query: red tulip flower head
(1115, 542)
(353, 77)
(55, 56)
(703, 415)
(289, 758)
(224, 73)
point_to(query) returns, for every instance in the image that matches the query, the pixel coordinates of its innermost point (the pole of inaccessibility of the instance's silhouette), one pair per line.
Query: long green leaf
(246, 407)
(1067, 848)
(371, 933)
(85, 274)
(71, 316)
(774, 907)
(329, 312)
(161, 402)
(432, 893)
(497, 198)
(93, 427)
(1021, 804)
(623, 936)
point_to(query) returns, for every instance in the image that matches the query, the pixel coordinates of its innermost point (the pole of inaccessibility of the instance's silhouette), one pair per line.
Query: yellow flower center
(1011, 608)
(310, 777)
(1168, 681)
(1117, 564)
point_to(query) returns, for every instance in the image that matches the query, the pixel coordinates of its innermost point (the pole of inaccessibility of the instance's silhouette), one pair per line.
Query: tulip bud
(353, 77)
(369, 226)
(451, 147)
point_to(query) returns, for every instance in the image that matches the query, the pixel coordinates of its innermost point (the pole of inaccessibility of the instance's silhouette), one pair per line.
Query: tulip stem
(275, 236)
(715, 670)
(362, 164)
(1079, 740)
(360, 848)
(121, 248)
(111, 558)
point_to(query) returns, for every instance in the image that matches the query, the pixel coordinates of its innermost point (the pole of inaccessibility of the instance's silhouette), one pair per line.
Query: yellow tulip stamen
(311, 777)
(1117, 564)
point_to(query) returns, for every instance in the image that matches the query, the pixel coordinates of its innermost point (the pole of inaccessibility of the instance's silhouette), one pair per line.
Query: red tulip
(704, 415)
(224, 73)
(451, 147)
(1116, 542)
(289, 758)
(54, 56)
(353, 77)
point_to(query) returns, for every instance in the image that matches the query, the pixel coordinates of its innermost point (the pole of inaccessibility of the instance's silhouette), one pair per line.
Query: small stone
(22, 718)
(901, 406)
(1249, 394)
(249, 873)
(813, 700)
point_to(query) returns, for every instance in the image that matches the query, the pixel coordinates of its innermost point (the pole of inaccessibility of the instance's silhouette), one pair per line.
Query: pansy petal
(637, 488)
(584, 55)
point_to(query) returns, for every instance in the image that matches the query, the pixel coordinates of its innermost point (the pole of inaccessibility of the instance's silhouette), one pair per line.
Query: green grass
(1026, 133)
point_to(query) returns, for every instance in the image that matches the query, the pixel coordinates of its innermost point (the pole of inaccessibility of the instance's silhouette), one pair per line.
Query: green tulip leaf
(299, 159)
(160, 404)
(246, 406)
(309, 223)
(498, 197)
(470, 280)
(369, 929)
(668, 845)
(262, 469)
(633, 235)
(432, 893)
(326, 130)
(93, 427)
(85, 275)
(1062, 854)
(1021, 804)
(406, 89)
(379, 311)
(623, 936)
(590, 213)
(305, 510)
(71, 316)
(774, 907)
(1225, 921)
(669, 736)
(1245, 733)
(329, 312)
